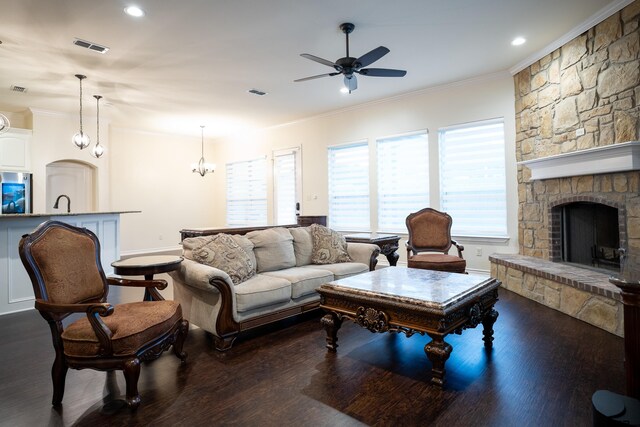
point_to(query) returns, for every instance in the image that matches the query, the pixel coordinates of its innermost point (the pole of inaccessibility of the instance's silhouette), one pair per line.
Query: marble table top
(415, 286)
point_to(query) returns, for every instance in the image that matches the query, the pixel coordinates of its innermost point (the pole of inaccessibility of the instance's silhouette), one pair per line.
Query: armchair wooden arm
(151, 286)
(459, 247)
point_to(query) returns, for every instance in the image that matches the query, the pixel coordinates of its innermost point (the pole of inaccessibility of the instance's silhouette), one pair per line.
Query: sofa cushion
(190, 243)
(302, 245)
(342, 269)
(304, 281)
(329, 246)
(273, 249)
(222, 252)
(260, 291)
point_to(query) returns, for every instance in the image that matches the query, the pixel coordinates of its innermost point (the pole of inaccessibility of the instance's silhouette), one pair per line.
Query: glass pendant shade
(81, 139)
(97, 150)
(202, 167)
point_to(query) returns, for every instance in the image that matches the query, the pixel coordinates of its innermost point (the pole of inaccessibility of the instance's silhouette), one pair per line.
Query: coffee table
(411, 301)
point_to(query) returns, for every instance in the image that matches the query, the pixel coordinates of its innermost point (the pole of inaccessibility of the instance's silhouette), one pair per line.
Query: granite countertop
(37, 215)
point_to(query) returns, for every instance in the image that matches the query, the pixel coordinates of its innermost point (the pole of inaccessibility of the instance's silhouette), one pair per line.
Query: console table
(388, 243)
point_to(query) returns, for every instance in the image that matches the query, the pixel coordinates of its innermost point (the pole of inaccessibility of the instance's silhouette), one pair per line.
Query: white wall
(479, 99)
(151, 172)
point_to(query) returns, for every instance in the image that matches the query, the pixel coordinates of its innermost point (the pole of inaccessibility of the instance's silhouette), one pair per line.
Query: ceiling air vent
(19, 89)
(89, 45)
(257, 92)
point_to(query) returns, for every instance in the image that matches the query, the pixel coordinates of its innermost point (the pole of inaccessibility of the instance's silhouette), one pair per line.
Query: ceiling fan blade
(316, 77)
(351, 83)
(382, 72)
(320, 60)
(371, 57)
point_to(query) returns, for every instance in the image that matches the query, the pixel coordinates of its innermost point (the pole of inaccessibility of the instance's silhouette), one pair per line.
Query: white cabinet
(15, 148)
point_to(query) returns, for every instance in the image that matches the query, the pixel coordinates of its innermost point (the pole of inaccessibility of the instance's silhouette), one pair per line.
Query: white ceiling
(192, 62)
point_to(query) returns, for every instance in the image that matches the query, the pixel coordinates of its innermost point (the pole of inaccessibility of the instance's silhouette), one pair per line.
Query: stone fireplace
(583, 98)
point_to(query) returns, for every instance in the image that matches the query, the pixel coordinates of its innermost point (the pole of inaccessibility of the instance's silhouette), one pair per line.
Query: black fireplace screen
(591, 235)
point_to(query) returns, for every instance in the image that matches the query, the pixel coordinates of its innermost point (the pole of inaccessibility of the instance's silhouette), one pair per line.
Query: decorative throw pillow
(329, 246)
(222, 252)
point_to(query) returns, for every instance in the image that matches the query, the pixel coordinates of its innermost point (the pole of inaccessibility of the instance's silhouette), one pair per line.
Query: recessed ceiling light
(134, 11)
(518, 41)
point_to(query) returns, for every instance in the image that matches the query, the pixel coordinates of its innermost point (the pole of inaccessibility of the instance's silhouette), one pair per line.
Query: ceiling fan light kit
(350, 66)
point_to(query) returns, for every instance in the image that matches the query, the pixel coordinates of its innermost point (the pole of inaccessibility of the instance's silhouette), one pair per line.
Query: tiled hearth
(579, 292)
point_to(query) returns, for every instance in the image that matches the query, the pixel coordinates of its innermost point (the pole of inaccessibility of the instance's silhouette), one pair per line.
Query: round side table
(146, 266)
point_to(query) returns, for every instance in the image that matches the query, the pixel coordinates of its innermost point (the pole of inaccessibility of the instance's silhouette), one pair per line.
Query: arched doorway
(75, 179)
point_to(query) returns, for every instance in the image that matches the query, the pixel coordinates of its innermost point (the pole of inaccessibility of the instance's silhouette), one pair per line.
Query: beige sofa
(288, 265)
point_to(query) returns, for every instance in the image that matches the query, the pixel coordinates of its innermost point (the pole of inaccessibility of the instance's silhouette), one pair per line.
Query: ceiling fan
(350, 66)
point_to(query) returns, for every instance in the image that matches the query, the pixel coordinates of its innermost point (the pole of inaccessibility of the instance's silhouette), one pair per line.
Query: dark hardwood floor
(542, 371)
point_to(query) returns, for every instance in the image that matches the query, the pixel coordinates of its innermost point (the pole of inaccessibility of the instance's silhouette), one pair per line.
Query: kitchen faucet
(55, 206)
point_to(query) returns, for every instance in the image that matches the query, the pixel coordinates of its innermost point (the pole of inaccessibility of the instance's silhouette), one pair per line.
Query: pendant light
(81, 139)
(202, 167)
(97, 150)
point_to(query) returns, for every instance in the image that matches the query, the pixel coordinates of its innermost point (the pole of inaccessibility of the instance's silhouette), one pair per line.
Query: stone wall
(590, 83)
(581, 293)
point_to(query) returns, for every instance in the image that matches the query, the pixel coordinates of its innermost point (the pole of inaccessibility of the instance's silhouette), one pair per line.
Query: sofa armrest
(202, 276)
(365, 253)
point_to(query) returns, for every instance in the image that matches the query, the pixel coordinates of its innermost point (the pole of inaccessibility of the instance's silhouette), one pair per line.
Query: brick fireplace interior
(588, 234)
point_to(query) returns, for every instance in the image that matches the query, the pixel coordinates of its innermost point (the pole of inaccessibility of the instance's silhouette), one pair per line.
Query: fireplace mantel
(607, 159)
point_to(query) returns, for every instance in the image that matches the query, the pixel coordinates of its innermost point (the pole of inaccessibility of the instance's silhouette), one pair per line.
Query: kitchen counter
(16, 292)
(39, 215)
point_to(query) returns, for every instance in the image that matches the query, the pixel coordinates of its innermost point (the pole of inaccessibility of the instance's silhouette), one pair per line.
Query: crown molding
(591, 22)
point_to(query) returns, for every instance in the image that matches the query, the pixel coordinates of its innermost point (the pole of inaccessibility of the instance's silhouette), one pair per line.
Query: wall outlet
(478, 251)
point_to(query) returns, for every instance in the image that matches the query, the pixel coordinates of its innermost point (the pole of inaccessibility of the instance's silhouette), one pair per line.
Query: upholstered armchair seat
(133, 325)
(438, 262)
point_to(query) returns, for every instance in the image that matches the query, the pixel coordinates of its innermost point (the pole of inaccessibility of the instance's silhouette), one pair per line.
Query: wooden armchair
(63, 263)
(430, 231)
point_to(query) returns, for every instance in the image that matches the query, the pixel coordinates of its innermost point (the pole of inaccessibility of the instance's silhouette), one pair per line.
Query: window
(287, 185)
(349, 187)
(472, 178)
(247, 192)
(403, 179)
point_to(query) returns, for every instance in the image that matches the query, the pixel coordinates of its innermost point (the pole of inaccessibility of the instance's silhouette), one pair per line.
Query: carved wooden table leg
(331, 322)
(438, 352)
(487, 322)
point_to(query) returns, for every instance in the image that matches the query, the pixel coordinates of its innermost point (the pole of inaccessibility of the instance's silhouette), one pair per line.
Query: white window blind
(349, 187)
(247, 192)
(472, 178)
(403, 179)
(286, 185)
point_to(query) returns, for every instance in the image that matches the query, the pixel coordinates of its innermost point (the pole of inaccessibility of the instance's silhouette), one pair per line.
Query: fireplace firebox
(590, 235)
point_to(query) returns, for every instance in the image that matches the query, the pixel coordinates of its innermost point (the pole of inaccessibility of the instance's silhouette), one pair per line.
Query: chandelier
(202, 167)
(81, 139)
